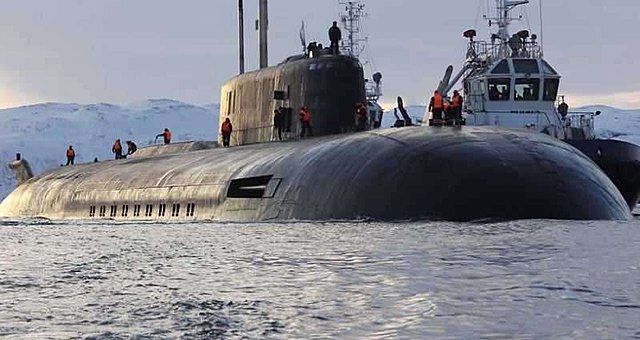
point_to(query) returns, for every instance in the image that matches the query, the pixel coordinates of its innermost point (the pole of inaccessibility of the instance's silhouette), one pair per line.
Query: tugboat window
(551, 89)
(499, 89)
(547, 69)
(526, 66)
(527, 89)
(501, 68)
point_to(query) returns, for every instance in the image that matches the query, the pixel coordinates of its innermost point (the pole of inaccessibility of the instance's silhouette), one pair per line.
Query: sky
(123, 51)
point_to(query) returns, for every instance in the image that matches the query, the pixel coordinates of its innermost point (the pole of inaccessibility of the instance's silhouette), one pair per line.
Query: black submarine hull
(619, 160)
(415, 173)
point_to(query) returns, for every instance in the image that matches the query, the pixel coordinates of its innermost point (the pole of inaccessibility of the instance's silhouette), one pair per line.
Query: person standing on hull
(436, 105)
(71, 155)
(335, 35)
(226, 131)
(278, 124)
(131, 147)
(305, 122)
(166, 135)
(117, 149)
(361, 117)
(456, 105)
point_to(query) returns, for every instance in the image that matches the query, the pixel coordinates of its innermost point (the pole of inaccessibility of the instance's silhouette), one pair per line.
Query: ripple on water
(521, 279)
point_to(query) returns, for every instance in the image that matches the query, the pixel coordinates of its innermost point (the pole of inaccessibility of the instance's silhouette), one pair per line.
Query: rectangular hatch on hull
(253, 187)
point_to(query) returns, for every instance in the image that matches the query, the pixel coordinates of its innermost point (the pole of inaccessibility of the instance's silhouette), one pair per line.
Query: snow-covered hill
(617, 124)
(43, 132)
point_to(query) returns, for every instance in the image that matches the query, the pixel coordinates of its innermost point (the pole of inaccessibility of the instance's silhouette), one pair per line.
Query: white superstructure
(507, 82)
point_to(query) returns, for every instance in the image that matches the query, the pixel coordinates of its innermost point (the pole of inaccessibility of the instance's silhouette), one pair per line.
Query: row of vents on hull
(251, 187)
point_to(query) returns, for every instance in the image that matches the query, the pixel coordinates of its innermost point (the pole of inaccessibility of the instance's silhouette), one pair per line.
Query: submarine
(507, 82)
(458, 173)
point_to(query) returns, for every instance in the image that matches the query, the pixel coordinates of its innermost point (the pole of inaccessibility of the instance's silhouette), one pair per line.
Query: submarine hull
(619, 160)
(457, 174)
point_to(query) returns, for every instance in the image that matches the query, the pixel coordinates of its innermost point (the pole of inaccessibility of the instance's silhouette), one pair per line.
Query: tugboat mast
(503, 20)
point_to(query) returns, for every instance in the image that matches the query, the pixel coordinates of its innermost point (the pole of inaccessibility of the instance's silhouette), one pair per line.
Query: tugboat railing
(490, 52)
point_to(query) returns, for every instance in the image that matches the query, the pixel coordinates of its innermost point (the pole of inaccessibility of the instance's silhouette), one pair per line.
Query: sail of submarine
(412, 173)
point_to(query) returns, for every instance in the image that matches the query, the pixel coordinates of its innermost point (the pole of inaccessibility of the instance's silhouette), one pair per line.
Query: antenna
(541, 32)
(241, 36)
(303, 38)
(351, 22)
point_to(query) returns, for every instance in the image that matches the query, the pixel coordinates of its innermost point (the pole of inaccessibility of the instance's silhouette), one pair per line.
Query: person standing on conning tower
(335, 35)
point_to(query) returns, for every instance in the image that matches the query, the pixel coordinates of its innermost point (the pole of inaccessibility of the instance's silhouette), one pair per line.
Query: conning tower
(330, 85)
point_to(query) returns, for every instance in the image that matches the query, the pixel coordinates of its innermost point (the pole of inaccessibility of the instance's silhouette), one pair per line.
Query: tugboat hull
(619, 160)
(458, 174)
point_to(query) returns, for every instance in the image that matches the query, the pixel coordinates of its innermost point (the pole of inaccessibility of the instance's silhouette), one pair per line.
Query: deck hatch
(253, 187)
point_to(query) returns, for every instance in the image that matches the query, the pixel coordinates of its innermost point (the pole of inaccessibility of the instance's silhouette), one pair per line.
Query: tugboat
(507, 83)
(469, 174)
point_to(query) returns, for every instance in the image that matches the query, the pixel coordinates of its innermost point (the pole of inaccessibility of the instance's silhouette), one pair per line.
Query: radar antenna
(354, 12)
(503, 19)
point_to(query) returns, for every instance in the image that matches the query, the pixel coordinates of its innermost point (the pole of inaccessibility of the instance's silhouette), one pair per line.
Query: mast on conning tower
(354, 12)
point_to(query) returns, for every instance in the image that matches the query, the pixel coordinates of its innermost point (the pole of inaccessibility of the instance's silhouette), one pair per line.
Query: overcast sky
(122, 51)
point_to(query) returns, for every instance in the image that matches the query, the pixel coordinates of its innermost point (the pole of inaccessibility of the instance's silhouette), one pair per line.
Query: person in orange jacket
(436, 105)
(456, 105)
(225, 131)
(71, 155)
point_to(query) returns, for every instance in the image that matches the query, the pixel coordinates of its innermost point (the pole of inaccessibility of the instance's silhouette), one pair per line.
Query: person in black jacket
(335, 35)
(131, 148)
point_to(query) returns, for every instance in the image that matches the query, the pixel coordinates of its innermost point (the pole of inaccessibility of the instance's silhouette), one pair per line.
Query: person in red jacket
(71, 155)
(225, 131)
(166, 135)
(117, 149)
(305, 121)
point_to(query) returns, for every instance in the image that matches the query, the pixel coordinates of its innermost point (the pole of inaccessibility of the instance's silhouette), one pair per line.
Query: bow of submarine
(457, 174)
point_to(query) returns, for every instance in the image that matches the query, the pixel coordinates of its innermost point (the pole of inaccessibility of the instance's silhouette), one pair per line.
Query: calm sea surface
(525, 280)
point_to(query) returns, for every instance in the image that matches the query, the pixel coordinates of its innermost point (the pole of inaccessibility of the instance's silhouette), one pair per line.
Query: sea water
(431, 280)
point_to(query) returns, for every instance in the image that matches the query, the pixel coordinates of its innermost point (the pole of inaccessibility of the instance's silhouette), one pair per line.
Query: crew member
(131, 147)
(278, 123)
(305, 122)
(456, 105)
(335, 36)
(166, 135)
(71, 155)
(361, 117)
(117, 149)
(436, 105)
(226, 130)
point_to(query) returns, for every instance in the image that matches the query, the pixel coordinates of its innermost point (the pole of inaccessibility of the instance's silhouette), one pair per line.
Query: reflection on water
(527, 279)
